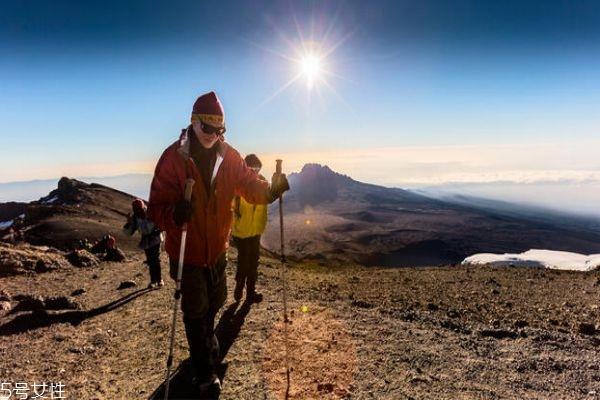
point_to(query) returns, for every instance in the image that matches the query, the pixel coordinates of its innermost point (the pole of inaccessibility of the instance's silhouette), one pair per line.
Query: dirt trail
(360, 333)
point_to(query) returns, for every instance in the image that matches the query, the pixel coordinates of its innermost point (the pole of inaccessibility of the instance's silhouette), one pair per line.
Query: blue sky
(102, 87)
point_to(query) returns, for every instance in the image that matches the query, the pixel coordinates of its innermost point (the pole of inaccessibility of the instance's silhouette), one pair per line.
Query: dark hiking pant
(153, 261)
(203, 293)
(247, 268)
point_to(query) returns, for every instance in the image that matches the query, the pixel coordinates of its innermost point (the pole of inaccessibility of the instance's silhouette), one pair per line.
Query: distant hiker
(113, 253)
(107, 246)
(150, 241)
(249, 223)
(84, 244)
(101, 245)
(220, 173)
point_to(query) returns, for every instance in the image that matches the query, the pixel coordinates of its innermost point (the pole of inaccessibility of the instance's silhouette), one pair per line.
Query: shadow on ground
(227, 331)
(41, 318)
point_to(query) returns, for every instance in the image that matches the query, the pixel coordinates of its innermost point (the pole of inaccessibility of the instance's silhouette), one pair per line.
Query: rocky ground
(415, 333)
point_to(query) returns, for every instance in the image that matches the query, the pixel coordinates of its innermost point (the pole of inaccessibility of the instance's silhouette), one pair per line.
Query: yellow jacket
(248, 219)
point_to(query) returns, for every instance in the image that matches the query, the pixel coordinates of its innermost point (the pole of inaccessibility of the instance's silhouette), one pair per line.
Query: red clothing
(208, 230)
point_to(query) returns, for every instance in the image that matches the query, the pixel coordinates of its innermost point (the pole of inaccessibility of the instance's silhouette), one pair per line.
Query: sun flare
(311, 59)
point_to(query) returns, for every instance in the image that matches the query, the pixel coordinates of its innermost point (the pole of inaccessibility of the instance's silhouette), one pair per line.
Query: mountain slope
(331, 216)
(74, 210)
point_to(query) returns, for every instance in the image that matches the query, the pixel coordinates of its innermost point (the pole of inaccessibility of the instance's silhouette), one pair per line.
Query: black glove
(182, 212)
(279, 185)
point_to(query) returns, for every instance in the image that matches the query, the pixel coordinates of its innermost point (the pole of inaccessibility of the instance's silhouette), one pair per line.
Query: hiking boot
(208, 387)
(156, 285)
(254, 297)
(237, 293)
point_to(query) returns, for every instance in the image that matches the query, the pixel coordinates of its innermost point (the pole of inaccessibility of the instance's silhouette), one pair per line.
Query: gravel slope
(422, 333)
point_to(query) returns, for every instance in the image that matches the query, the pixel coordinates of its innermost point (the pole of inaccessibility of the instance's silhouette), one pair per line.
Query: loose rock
(5, 306)
(5, 295)
(586, 328)
(499, 333)
(361, 304)
(126, 285)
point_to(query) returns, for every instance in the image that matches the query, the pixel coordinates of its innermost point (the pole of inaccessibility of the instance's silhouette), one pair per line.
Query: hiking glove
(182, 212)
(279, 185)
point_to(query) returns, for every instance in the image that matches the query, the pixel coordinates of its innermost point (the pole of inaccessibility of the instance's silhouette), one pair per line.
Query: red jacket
(208, 230)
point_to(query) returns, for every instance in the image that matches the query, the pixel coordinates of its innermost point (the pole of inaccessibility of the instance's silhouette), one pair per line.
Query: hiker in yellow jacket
(249, 223)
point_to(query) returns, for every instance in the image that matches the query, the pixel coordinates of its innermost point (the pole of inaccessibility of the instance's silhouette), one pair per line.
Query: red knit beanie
(208, 109)
(138, 205)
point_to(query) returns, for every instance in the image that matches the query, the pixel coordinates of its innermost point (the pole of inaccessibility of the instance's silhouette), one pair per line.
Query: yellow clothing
(248, 219)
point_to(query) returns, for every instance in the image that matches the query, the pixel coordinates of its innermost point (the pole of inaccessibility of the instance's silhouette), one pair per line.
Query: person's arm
(131, 226)
(249, 184)
(253, 188)
(165, 192)
(236, 207)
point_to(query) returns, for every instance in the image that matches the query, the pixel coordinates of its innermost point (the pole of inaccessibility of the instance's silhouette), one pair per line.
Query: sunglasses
(211, 130)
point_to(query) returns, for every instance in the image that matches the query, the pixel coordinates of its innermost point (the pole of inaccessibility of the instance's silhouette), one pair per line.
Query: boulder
(114, 255)
(82, 258)
(61, 303)
(31, 303)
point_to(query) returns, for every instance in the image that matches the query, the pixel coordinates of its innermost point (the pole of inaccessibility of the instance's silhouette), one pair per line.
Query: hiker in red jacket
(220, 173)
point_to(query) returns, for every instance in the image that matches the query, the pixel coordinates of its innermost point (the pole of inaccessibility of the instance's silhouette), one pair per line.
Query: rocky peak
(69, 185)
(68, 191)
(316, 183)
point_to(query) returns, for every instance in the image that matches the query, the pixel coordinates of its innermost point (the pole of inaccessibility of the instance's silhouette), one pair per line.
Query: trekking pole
(283, 279)
(189, 184)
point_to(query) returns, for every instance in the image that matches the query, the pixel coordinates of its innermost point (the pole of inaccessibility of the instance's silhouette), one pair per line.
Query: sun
(310, 68)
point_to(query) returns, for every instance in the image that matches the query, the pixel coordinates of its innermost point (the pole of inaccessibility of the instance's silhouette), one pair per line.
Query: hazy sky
(419, 92)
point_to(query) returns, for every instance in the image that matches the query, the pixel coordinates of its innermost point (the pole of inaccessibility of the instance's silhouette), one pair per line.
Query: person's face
(255, 169)
(140, 212)
(207, 140)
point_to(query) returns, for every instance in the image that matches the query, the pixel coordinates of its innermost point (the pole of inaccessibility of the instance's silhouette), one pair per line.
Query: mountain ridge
(330, 216)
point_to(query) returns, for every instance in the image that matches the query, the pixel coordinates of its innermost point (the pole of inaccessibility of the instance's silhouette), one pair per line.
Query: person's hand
(182, 212)
(129, 221)
(279, 185)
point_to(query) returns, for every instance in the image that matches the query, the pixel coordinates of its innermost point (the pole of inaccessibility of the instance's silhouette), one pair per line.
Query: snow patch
(50, 201)
(538, 258)
(6, 224)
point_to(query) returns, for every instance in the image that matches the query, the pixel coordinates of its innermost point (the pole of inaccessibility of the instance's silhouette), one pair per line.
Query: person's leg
(217, 297)
(195, 307)
(240, 275)
(253, 256)
(149, 263)
(153, 261)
